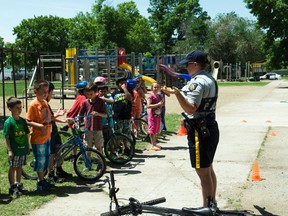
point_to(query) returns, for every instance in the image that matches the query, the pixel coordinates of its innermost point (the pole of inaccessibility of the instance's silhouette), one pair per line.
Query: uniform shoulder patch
(192, 86)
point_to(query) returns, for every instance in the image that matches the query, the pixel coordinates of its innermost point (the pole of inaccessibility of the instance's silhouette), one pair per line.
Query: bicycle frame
(73, 142)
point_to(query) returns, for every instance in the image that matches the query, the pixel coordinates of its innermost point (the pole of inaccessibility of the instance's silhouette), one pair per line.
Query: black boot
(62, 174)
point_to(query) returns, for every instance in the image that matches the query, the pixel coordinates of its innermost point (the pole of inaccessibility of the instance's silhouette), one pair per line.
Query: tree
(84, 31)
(233, 39)
(43, 33)
(140, 36)
(122, 26)
(271, 17)
(172, 18)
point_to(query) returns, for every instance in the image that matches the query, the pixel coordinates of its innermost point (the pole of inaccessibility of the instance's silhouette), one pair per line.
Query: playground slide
(173, 73)
(145, 78)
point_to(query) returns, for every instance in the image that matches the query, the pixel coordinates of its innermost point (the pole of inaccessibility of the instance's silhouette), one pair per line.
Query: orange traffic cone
(182, 130)
(272, 134)
(255, 176)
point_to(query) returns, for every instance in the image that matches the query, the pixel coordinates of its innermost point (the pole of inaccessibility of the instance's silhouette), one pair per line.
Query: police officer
(198, 100)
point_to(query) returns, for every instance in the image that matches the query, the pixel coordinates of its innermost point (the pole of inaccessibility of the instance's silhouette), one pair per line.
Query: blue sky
(12, 12)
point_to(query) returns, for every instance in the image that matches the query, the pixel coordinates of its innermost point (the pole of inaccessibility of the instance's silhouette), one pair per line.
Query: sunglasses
(187, 64)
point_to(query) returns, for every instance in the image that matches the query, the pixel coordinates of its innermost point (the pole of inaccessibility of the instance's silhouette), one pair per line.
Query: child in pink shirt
(154, 103)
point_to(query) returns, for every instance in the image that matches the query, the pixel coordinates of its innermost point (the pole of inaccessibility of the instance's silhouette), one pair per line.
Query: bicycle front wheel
(120, 149)
(90, 170)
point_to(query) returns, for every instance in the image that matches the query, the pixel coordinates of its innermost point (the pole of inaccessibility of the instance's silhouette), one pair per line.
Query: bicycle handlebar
(133, 207)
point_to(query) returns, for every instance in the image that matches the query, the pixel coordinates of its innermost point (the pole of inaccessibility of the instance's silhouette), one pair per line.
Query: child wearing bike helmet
(100, 80)
(95, 107)
(122, 106)
(74, 110)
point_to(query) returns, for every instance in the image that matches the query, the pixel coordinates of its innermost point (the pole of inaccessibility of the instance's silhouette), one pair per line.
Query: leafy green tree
(232, 39)
(271, 17)
(83, 32)
(140, 36)
(43, 34)
(172, 18)
(122, 27)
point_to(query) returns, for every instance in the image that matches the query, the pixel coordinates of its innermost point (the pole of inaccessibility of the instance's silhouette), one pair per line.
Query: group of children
(92, 100)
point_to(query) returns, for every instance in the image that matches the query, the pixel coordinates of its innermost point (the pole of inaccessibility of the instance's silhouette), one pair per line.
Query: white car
(271, 76)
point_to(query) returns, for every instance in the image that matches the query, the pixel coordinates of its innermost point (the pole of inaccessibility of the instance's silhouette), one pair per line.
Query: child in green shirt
(16, 133)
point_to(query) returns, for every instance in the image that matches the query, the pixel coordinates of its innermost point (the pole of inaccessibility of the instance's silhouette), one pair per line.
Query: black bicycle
(137, 208)
(119, 148)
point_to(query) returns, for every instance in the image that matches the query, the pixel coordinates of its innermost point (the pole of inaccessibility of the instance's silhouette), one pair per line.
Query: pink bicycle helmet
(100, 79)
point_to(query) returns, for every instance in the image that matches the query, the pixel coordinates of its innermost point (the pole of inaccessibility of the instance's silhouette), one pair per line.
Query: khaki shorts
(94, 138)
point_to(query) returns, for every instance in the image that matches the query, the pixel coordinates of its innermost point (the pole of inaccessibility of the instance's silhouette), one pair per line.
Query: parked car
(271, 76)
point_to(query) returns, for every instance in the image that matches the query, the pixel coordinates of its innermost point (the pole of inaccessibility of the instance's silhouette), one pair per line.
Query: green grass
(33, 199)
(261, 83)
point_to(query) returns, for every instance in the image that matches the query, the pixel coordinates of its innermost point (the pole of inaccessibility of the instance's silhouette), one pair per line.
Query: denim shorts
(41, 156)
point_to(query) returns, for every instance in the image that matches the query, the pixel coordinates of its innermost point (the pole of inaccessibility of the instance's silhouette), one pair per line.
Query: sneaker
(127, 152)
(52, 178)
(40, 186)
(62, 174)
(212, 204)
(21, 188)
(47, 184)
(14, 191)
(214, 207)
(43, 185)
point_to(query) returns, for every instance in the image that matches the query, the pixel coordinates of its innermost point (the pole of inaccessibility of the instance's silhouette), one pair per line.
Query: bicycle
(115, 143)
(136, 208)
(118, 147)
(89, 164)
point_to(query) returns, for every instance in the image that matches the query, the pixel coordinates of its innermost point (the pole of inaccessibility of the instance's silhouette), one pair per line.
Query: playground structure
(65, 71)
(115, 63)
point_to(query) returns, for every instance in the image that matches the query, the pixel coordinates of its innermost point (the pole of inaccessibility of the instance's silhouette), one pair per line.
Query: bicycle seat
(204, 211)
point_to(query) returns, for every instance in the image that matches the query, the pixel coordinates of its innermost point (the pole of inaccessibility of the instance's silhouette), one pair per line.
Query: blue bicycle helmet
(82, 84)
(131, 84)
